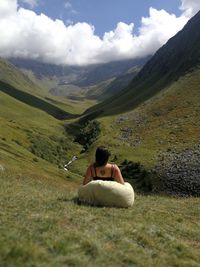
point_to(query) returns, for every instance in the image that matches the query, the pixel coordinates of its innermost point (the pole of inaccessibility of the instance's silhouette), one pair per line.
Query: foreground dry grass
(41, 225)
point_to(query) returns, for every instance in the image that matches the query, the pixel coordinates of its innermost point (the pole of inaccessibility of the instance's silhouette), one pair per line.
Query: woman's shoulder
(108, 165)
(112, 165)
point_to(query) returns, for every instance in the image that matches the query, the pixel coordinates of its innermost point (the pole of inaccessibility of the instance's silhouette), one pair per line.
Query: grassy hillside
(32, 140)
(41, 225)
(34, 101)
(11, 75)
(27, 89)
(168, 120)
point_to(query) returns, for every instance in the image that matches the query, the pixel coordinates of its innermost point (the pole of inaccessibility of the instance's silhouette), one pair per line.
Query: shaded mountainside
(178, 56)
(108, 88)
(103, 72)
(16, 84)
(34, 101)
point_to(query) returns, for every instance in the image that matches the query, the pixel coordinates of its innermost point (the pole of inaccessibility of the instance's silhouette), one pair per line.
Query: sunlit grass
(167, 121)
(41, 225)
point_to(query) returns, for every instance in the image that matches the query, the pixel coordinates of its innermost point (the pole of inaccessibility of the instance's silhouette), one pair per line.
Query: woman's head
(102, 156)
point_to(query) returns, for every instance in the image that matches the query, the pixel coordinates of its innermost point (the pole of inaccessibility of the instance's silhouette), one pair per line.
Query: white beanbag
(107, 193)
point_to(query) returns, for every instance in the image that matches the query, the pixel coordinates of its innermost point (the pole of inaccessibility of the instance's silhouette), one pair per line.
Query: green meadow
(41, 222)
(42, 225)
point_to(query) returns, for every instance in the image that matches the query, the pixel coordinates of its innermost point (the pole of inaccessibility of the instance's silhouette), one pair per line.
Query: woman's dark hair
(102, 156)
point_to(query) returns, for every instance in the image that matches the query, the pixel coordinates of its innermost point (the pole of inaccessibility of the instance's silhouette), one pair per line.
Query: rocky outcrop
(178, 172)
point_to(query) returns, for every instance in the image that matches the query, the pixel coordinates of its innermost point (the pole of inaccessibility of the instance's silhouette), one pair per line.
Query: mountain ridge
(179, 55)
(83, 81)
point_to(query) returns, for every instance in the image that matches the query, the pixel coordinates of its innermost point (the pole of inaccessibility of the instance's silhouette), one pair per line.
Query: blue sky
(82, 32)
(104, 14)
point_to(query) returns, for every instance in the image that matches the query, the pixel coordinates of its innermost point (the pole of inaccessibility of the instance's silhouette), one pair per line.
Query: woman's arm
(117, 175)
(88, 176)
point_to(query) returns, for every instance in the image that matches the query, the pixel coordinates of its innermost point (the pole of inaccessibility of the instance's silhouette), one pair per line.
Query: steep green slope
(15, 83)
(34, 101)
(180, 54)
(168, 120)
(11, 75)
(32, 140)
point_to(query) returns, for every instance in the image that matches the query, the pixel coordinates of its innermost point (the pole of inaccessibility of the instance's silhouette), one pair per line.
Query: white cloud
(31, 3)
(155, 30)
(190, 7)
(7, 7)
(25, 34)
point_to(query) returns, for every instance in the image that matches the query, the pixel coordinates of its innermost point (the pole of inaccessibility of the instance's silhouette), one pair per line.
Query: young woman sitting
(102, 169)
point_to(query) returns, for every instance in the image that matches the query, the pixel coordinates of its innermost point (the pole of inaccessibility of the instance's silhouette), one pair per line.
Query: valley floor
(42, 225)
